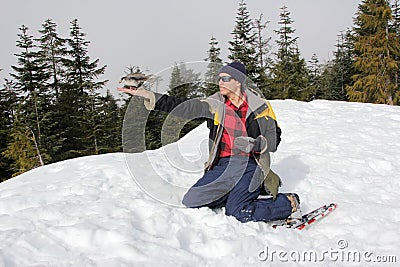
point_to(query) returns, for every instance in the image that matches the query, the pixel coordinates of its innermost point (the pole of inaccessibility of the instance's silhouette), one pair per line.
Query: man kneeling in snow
(243, 130)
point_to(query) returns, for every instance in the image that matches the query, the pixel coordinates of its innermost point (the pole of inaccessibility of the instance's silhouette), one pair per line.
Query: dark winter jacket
(260, 120)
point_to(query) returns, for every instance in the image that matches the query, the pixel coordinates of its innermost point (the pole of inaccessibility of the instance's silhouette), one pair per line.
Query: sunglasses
(225, 78)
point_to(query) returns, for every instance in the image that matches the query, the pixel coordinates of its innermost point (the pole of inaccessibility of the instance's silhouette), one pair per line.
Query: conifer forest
(55, 105)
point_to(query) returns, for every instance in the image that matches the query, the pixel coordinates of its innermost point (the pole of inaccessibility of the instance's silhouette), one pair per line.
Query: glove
(249, 144)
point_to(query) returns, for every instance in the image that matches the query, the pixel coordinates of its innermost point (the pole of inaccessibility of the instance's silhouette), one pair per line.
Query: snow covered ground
(91, 211)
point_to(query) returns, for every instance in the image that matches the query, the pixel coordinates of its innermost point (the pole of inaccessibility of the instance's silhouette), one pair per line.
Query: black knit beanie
(237, 70)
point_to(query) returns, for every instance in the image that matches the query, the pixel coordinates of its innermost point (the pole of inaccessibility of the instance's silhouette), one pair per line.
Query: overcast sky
(156, 34)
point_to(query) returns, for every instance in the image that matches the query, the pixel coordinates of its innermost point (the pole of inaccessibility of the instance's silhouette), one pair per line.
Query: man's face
(228, 85)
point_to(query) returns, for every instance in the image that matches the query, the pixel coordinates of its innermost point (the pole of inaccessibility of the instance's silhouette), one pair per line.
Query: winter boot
(295, 217)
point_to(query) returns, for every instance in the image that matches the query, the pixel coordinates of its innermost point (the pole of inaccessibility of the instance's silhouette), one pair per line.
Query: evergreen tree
(184, 83)
(192, 81)
(52, 110)
(243, 45)
(394, 26)
(110, 125)
(338, 72)
(30, 84)
(215, 63)
(395, 23)
(52, 50)
(153, 129)
(290, 75)
(264, 61)
(79, 97)
(25, 71)
(176, 83)
(376, 49)
(283, 65)
(22, 149)
(314, 86)
(299, 78)
(262, 44)
(8, 101)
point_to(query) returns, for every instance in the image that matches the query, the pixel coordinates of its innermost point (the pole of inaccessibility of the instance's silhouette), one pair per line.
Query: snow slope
(91, 211)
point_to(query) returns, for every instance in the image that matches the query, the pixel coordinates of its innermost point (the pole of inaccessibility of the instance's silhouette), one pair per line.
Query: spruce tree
(79, 98)
(376, 48)
(243, 45)
(337, 73)
(290, 75)
(193, 82)
(215, 63)
(30, 85)
(109, 125)
(283, 68)
(314, 86)
(8, 102)
(264, 61)
(300, 78)
(26, 81)
(184, 83)
(394, 26)
(395, 23)
(52, 50)
(176, 84)
(22, 149)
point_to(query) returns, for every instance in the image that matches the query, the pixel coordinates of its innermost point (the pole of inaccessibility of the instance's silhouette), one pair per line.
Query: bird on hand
(134, 80)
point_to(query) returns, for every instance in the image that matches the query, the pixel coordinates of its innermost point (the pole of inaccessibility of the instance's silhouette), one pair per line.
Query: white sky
(156, 34)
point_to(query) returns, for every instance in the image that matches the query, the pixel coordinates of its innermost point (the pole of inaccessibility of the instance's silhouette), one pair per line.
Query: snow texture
(91, 211)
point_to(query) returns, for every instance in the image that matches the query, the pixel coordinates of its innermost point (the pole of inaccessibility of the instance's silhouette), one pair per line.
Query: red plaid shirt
(234, 126)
